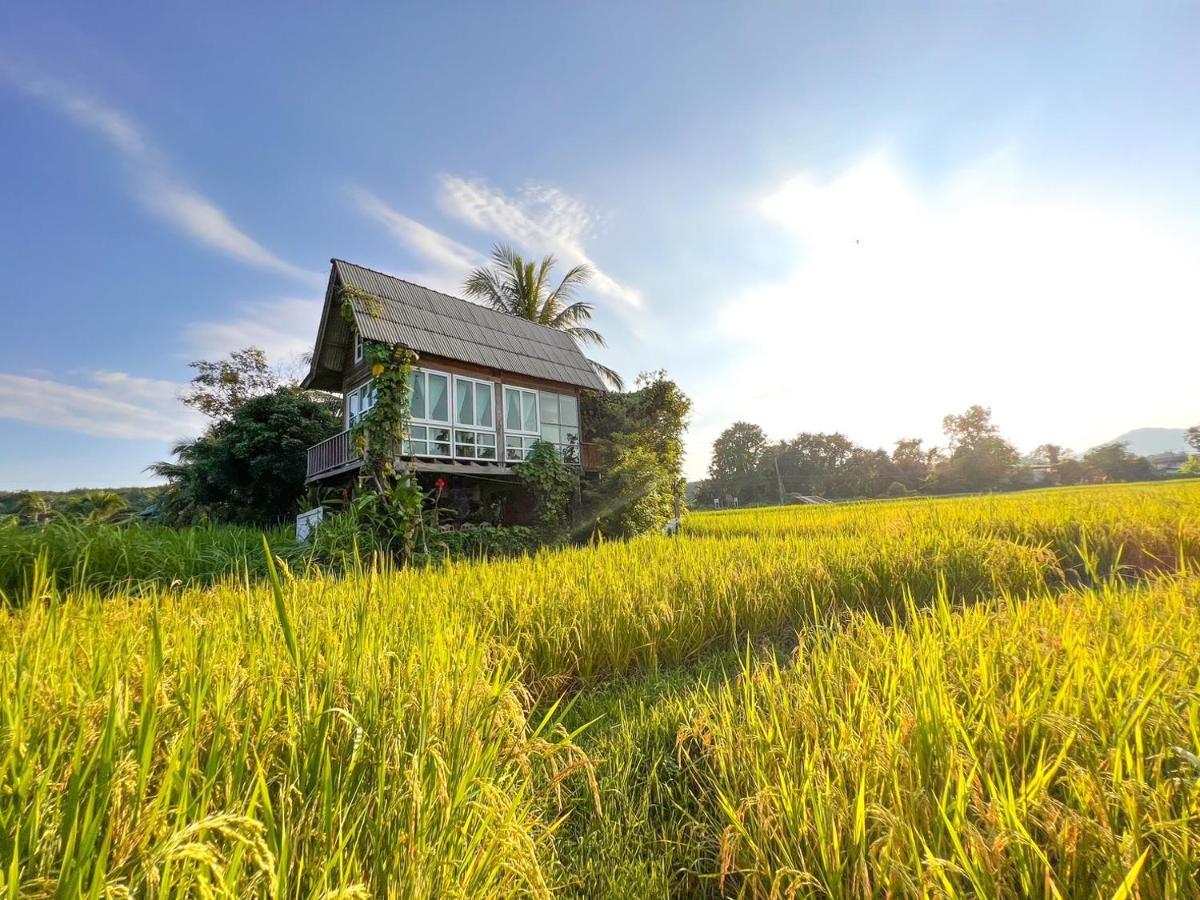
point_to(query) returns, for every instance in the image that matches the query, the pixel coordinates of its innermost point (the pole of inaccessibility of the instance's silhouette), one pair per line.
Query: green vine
(379, 434)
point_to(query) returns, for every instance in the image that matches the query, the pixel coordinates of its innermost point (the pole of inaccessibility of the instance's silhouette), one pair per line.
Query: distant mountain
(1149, 441)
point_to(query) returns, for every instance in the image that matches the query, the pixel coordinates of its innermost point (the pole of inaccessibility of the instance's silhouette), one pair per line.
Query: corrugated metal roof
(427, 321)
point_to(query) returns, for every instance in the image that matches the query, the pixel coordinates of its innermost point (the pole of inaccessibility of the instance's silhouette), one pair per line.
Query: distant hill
(1149, 441)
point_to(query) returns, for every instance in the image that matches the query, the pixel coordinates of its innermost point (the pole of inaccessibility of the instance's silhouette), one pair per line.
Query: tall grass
(1033, 749)
(416, 733)
(128, 558)
(182, 746)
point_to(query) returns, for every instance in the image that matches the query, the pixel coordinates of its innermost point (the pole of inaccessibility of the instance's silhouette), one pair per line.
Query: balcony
(337, 454)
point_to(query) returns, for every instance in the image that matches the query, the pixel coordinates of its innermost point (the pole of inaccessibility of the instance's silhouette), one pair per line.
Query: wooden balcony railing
(332, 453)
(338, 452)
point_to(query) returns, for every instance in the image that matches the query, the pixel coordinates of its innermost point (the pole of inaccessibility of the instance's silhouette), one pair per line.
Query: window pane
(485, 452)
(416, 382)
(483, 406)
(464, 409)
(549, 407)
(512, 409)
(438, 402)
(568, 410)
(551, 433)
(529, 421)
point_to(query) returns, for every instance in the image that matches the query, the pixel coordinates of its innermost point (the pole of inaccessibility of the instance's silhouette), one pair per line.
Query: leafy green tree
(106, 507)
(522, 288)
(1193, 437)
(1191, 467)
(736, 468)
(219, 388)
(640, 443)
(250, 467)
(979, 460)
(1114, 462)
(912, 462)
(34, 509)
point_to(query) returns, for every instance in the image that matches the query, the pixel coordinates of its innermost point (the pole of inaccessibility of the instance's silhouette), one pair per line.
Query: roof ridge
(335, 261)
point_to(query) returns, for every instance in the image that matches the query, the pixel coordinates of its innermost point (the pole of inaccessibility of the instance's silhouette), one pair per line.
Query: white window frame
(537, 410)
(428, 423)
(352, 419)
(491, 386)
(359, 347)
(526, 438)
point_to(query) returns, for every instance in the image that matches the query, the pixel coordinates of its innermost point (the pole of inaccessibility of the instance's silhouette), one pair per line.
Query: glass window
(529, 417)
(359, 402)
(549, 407)
(416, 383)
(568, 410)
(483, 405)
(358, 347)
(438, 393)
(439, 441)
(464, 402)
(512, 409)
(517, 446)
(520, 410)
(551, 433)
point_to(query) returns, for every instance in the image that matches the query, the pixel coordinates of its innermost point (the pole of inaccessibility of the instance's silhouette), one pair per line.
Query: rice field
(980, 696)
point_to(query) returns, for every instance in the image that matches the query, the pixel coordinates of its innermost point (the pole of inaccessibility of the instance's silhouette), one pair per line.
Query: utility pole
(779, 479)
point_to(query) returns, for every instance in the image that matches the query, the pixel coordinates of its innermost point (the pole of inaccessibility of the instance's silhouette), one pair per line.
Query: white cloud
(158, 188)
(443, 252)
(111, 404)
(283, 329)
(908, 301)
(538, 219)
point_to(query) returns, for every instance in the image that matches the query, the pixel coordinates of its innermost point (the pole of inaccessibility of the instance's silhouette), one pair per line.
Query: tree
(1193, 437)
(35, 509)
(640, 445)
(912, 462)
(1051, 453)
(250, 467)
(980, 460)
(970, 429)
(221, 387)
(1114, 462)
(736, 466)
(101, 506)
(519, 287)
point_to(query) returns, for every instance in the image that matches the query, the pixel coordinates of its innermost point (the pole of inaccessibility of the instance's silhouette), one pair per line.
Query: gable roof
(434, 323)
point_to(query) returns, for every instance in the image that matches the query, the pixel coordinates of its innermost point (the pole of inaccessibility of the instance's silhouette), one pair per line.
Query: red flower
(440, 484)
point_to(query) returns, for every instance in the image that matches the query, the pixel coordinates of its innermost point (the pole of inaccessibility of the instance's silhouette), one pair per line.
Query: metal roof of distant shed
(431, 322)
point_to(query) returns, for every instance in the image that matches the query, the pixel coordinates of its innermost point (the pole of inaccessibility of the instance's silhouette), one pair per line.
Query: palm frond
(609, 376)
(585, 335)
(572, 315)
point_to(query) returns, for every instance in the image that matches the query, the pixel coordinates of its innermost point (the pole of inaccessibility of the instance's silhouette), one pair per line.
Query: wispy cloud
(283, 329)
(429, 244)
(108, 404)
(156, 186)
(538, 218)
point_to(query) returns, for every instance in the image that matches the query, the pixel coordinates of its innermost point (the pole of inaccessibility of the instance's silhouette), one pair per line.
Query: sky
(816, 217)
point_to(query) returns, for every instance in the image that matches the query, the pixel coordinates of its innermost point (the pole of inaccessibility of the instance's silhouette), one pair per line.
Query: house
(486, 386)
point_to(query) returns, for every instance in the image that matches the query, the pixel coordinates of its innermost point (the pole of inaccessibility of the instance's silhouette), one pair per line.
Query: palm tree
(521, 288)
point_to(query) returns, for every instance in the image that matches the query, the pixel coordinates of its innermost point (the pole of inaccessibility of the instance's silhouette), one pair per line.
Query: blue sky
(824, 217)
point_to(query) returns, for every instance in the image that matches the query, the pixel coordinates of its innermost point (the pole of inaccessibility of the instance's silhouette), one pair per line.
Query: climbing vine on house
(379, 434)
